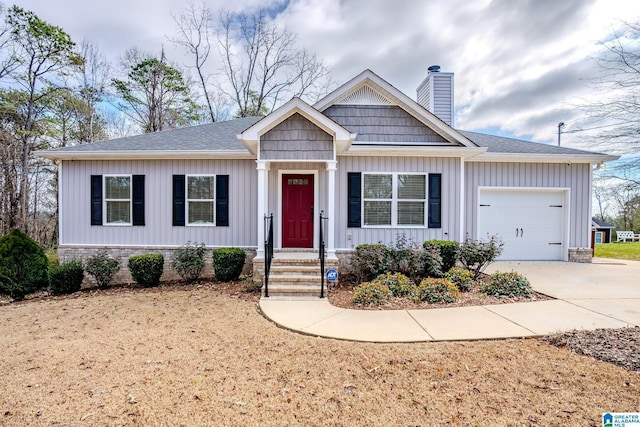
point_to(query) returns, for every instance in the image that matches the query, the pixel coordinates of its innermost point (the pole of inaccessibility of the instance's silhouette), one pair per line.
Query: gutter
(543, 158)
(144, 154)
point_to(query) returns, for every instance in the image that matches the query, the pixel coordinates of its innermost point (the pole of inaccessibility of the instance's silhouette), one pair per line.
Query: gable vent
(364, 96)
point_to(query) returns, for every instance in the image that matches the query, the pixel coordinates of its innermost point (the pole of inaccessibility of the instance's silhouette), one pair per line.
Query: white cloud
(520, 65)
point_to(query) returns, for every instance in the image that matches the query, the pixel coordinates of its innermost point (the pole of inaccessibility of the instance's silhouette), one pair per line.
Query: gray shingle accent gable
(376, 123)
(296, 138)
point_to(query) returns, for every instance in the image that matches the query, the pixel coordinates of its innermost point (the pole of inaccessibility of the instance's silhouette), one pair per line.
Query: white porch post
(461, 235)
(331, 207)
(263, 197)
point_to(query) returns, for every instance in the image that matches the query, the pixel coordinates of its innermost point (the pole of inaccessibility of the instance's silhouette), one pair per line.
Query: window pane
(410, 213)
(118, 212)
(200, 187)
(411, 186)
(377, 213)
(117, 187)
(377, 186)
(200, 212)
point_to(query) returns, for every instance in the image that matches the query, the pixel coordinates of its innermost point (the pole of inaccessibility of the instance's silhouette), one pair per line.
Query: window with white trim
(394, 199)
(117, 199)
(200, 199)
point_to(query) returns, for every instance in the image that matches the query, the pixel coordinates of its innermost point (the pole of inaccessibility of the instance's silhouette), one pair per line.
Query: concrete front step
(295, 275)
(295, 261)
(301, 270)
(284, 290)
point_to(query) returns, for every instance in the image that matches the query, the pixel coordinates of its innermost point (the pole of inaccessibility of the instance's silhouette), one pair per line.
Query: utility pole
(560, 126)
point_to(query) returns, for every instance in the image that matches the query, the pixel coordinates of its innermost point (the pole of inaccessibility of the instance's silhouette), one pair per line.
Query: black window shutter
(435, 200)
(354, 205)
(222, 200)
(138, 199)
(96, 199)
(178, 200)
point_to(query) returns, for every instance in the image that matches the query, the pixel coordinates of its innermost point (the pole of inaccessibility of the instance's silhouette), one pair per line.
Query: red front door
(297, 211)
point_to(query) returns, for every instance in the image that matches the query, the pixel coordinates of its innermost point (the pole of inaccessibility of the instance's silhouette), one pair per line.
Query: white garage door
(531, 223)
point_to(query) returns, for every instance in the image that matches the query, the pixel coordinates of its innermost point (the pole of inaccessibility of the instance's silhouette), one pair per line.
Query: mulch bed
(617, 346)
(342, 296)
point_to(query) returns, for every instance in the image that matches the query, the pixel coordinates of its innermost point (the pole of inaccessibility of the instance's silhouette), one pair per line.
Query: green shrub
(23, 265)
(461, 277)
(66, 278)
(188, 261)
(476, 255)
(103, 268)
(431, 261)
(434, 290)
(368, 261)
(414, 261)
(52, 257)
(399, 284)
(449, 251)
(509, 284)
(371, 293)
(6, 284)
(146, 269)
(228, 263)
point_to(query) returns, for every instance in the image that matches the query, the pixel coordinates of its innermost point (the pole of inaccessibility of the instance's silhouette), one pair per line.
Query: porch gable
(296, 138)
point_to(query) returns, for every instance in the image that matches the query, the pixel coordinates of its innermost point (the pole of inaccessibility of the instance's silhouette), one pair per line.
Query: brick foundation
(580, 255)
(68, 253)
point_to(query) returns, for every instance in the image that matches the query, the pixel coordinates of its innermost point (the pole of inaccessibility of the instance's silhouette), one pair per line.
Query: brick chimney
(435, 93)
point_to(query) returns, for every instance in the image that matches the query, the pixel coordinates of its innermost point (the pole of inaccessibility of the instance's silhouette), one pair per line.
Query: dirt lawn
(201, 355)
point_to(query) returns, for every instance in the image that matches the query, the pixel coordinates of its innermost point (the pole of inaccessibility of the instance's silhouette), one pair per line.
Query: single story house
(376, 162)
(602, 231)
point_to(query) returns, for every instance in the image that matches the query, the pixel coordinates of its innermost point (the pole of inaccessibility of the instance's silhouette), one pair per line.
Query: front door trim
(316, 212)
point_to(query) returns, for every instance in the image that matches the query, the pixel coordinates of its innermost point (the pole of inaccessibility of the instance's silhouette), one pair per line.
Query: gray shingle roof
(601, 223)
(219, 136)
(499, 144)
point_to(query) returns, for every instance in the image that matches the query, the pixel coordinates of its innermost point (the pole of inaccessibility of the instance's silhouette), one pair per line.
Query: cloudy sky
(520, 65)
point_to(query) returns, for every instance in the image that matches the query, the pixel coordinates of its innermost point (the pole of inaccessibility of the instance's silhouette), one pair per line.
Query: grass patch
(623, 250)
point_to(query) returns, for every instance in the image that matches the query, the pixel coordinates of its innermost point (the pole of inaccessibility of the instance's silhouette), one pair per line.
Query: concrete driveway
(606, 286)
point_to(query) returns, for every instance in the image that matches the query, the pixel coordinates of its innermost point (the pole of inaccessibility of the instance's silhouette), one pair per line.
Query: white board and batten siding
(75, 212)
(529, 194)
(349, 238)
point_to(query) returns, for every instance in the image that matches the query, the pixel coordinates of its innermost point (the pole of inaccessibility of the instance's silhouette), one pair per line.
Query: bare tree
(626, 196)
(263, 65)
(617, 109)
(93, 76)
(194, 35)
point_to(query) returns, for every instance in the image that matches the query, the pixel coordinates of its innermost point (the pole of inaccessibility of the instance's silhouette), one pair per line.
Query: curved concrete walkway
(604, 294)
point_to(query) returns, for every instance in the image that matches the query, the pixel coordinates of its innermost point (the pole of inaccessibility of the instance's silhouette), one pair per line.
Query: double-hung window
(117, 199)
(394, 199)
(200, 199)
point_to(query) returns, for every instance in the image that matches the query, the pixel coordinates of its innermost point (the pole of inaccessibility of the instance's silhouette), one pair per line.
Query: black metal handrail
(268, 251)
(323, 253)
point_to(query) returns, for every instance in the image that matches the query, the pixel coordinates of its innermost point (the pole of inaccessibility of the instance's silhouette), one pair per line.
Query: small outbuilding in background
(601, 231)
